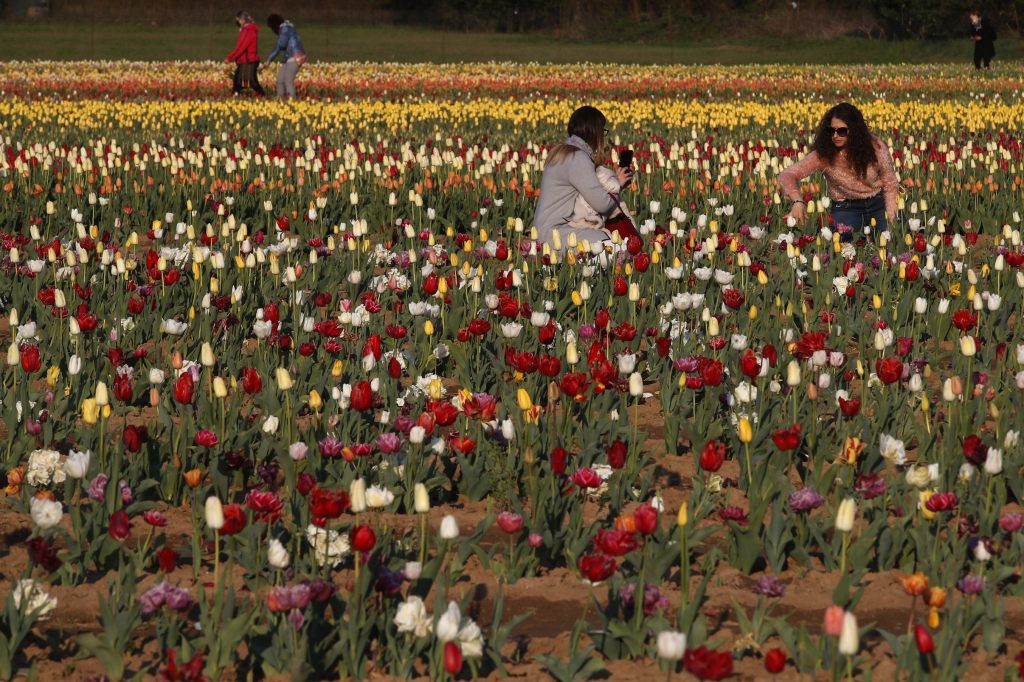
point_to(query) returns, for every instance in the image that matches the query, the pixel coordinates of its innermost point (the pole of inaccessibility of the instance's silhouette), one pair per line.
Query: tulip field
(291, 391)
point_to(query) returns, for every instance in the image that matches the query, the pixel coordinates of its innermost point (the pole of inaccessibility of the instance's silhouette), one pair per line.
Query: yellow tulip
(743, 428)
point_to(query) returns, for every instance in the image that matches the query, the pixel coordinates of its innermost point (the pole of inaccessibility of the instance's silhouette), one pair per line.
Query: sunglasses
(841, 132)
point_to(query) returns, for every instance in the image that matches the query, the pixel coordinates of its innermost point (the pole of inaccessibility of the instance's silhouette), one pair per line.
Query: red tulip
(265, 505)
(596, 567)
(120, 525)
(619, 286)
(167, 559)
(549, 366)
(452, 658)
(251, 381)
(132, 437)
(964, 320)
(394, 368)
(574, 384)
(327, 504)
(733, 298)
(787, 439)
(206, 438)
(430, 284)
(184, 389)
(234, 519)
(443, 412)
(712, 456)
(775, 661)
(923, 639)
(749, 364)
(615, 542)
(124, 388)
(363, 538)
(664, 346)
(362, 396)
(849, 408)
(712, 373)
(889, 369)
(510, 523)
(646, 519)
(587, 478)
(940, 502)
(30, 361)
(617, 454)
(558, 457)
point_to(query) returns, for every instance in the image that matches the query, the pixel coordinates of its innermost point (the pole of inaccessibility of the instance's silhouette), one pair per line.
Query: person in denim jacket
(290, 46)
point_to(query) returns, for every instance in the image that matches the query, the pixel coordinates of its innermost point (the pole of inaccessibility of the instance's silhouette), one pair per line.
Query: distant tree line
(648, 20)
(875, 18)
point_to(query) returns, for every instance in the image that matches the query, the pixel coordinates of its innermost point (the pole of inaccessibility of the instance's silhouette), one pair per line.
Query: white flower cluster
(44, 467)
(329, 546)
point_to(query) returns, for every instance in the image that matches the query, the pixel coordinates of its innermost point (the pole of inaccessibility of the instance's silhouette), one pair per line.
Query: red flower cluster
(708, 664)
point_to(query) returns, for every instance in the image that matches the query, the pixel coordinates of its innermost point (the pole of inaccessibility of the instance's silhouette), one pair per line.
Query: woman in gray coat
(571, 173)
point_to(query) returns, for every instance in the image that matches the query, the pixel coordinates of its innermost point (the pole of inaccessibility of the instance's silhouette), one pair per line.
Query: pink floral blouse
(843, 181)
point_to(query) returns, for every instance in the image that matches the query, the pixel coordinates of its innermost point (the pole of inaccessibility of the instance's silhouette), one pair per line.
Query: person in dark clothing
(246, 56)
(984, 36)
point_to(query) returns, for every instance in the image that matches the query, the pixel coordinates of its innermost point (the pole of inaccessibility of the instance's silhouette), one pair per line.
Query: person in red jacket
(246, 55)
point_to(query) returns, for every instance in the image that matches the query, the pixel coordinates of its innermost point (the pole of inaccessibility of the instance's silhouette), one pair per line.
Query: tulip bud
(572, 355)
(523, 400)
(357, 495)
(214, 513)
(315, 402)
(849, 637)
(449, 528)
(284, 379)
(684, 515)
(636, 385)
(206, 357)
(846, 514)
(421, 499)
(102, 396)
(746, 433)
(793, 373)
(220, 389)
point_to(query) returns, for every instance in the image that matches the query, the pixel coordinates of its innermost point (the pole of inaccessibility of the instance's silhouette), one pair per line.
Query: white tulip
(449, 528)
(671, 645)
(277, 555)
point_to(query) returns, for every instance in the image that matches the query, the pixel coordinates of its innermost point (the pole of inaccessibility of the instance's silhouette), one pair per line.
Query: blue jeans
(857, 213)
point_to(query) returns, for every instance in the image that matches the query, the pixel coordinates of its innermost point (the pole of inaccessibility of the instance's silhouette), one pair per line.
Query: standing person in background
(289, 43)
(858, 167)
(984, 37)
(246, 55)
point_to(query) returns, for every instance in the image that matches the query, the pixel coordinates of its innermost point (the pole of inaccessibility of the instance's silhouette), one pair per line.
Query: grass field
(55, 40)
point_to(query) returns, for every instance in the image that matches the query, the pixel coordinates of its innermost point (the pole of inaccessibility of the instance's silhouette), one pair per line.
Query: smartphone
(625, 158)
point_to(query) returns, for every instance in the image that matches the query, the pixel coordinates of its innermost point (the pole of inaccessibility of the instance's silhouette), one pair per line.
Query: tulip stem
(842, 556)
(216, 558)
(684, 567)
(750, 473)
(849, 668)
(423, 538)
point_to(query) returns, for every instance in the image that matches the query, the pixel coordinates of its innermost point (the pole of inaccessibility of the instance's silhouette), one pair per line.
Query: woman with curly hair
(857, 167)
